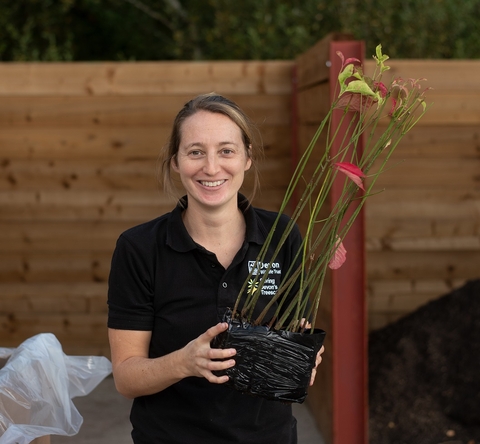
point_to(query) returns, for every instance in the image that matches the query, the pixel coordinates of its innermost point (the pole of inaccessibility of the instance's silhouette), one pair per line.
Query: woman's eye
(195, 153)
(227, 151)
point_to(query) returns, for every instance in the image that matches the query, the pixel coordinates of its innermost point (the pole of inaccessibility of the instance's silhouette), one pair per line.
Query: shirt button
(213, 265)
(224, 285)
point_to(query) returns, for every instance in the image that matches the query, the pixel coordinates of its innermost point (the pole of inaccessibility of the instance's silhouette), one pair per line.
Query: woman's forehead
(208, 126)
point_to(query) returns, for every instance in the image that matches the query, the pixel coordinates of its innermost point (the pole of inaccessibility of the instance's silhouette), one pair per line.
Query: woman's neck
(212, 224)
(220, 231)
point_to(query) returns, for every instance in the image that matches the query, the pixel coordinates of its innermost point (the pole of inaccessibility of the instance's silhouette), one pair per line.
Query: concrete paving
(105, 419)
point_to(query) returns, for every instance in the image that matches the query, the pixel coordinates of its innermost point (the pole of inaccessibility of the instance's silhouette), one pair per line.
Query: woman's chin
(214, 198)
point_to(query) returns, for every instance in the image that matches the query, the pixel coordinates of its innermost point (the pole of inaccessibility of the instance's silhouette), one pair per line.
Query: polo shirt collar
(179, 239)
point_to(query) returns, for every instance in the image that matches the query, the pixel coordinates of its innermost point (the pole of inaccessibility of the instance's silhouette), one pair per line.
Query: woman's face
(211, 160)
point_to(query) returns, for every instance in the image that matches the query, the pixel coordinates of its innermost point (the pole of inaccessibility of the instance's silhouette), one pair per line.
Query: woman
(173, 278)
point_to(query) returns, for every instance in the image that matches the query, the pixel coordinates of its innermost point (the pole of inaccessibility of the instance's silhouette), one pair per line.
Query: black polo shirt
(164, 282)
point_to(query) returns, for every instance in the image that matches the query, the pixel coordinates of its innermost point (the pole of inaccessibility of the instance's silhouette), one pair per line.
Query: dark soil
(424, 373)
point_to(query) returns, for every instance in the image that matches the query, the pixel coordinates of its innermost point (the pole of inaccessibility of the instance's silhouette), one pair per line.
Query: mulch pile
(424, 373)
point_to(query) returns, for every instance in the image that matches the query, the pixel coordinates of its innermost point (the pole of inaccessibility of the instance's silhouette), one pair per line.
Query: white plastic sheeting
(37, 384)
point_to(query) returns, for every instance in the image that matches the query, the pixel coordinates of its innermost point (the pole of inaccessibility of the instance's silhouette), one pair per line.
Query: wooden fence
(78, 150)
(423, 232)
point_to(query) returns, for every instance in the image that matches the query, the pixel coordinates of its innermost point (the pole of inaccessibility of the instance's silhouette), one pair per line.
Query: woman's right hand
(200, 359)
(138, 375)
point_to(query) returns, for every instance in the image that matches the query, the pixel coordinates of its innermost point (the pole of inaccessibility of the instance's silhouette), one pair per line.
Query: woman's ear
(249, 161)
(173, 164)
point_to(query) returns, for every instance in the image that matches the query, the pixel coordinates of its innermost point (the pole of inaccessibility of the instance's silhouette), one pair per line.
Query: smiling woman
(172, 280)
(239, 134)
(211, 162)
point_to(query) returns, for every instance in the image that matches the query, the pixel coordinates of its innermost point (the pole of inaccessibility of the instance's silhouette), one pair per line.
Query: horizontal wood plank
(74, 331)
(407, 239)
(441, 75)
(61, 236)
(427, 141)
(132, 111)
(130, 174)
(424, 204)
(70, 346)
(427, 173)
(74, 142)
(416, 265)
(54, 267)
(144, 78)
(46, 298)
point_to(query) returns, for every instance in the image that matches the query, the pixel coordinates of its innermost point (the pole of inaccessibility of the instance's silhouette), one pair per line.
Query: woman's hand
(317, 363)
(199, 359)
(138, 375)
(305, 324)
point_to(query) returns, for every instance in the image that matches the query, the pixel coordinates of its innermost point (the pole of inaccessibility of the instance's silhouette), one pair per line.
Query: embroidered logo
(259, 268)
(270, 284)
(252, 286)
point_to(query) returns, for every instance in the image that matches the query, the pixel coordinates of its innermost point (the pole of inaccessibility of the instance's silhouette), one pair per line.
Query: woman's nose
(211, 165)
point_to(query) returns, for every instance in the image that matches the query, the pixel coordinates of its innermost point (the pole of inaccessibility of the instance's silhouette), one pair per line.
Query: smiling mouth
(212, 184)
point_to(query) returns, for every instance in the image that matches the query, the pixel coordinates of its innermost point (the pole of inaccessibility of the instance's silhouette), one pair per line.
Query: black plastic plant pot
(275, 365)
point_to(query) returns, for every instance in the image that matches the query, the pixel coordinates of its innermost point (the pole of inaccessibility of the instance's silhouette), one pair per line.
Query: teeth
(212, 184)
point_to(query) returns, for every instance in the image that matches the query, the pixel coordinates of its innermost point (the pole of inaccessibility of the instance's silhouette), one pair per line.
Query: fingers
(319, 355)
(201, 360)
(215, 330)
(312, 377)
(318, 360)
(305, 324)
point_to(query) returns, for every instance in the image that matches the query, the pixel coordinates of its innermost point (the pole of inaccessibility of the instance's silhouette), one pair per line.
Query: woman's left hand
(305, 324)
(317, 363)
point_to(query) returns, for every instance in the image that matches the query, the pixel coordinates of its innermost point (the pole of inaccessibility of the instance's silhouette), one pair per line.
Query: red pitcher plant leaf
(349, 60)
(352, 172)
(357, 91)
(381, 88)
(339, 256)
(363, 98)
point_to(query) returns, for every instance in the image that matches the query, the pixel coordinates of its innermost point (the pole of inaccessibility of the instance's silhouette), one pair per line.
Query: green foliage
(263, 29)
(417, 28)
(35, 30)
(63, 30)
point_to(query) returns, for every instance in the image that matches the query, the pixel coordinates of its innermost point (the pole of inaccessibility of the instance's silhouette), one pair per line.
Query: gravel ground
(105, 413)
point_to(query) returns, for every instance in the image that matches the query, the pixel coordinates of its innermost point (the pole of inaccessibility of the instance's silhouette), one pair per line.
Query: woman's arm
(136, 374)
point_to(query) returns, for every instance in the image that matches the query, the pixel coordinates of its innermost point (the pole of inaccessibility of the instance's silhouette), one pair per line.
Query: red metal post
(349, 337)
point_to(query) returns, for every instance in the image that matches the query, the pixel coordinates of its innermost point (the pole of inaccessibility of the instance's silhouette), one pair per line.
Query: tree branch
(153, 14)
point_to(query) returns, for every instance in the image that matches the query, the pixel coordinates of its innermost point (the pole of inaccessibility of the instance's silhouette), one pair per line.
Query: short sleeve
(131, 287)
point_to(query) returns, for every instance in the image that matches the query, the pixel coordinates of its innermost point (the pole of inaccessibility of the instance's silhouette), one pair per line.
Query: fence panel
(423, 231)
(79, 144)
